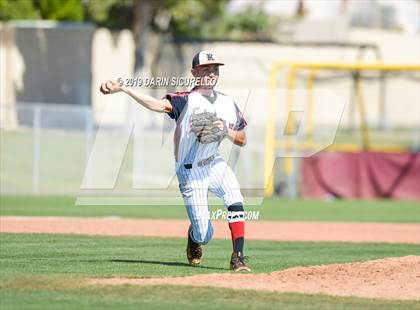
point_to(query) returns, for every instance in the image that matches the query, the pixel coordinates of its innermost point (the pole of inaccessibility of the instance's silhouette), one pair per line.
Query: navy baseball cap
(204, 58)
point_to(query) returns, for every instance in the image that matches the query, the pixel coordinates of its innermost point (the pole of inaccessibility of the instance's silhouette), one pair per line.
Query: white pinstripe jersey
(187, 148)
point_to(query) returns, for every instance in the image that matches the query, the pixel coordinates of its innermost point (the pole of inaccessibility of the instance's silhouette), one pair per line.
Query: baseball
(109, 85)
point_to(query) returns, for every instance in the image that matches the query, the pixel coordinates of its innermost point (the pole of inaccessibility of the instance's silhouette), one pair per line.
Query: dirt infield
(390, 278)
(262, 230)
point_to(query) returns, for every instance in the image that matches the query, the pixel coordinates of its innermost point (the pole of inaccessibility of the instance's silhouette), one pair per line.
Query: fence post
(36, 149)
(89, 128)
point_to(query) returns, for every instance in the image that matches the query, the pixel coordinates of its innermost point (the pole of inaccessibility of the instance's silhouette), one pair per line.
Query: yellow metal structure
(271, 143)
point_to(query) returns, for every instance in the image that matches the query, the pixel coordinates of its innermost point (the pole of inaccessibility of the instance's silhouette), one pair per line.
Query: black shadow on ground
(132, 261)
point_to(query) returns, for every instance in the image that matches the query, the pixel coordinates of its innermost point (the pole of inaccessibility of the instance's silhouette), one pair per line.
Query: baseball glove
(204, 127)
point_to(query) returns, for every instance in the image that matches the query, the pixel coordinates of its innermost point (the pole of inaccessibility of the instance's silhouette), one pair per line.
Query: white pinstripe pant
(195, 183)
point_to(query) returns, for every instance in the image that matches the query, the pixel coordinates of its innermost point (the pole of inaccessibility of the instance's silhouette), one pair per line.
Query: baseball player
(204, 117)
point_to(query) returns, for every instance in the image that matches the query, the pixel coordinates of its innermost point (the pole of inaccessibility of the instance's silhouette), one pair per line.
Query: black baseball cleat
(194, 251)
(237, 262)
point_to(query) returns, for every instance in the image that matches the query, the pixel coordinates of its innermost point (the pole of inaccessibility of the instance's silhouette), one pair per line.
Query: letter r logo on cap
(210, 57)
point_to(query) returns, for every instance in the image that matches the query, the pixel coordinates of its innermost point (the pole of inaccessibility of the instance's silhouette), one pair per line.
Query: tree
(143, 13)
(69, 10)
(66, 10)
(18, 9)
(189, 17)
(183, 17)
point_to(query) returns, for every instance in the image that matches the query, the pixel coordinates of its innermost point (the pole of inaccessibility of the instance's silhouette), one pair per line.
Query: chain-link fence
(58, 149)
(44, 148)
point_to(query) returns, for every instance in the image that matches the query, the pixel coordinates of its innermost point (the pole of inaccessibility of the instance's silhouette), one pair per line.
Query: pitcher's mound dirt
(390, 278)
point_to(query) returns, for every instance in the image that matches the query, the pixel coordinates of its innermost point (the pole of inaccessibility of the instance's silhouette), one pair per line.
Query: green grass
(274, 209)
(41, 254)
(46, 271)
(182, 297)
